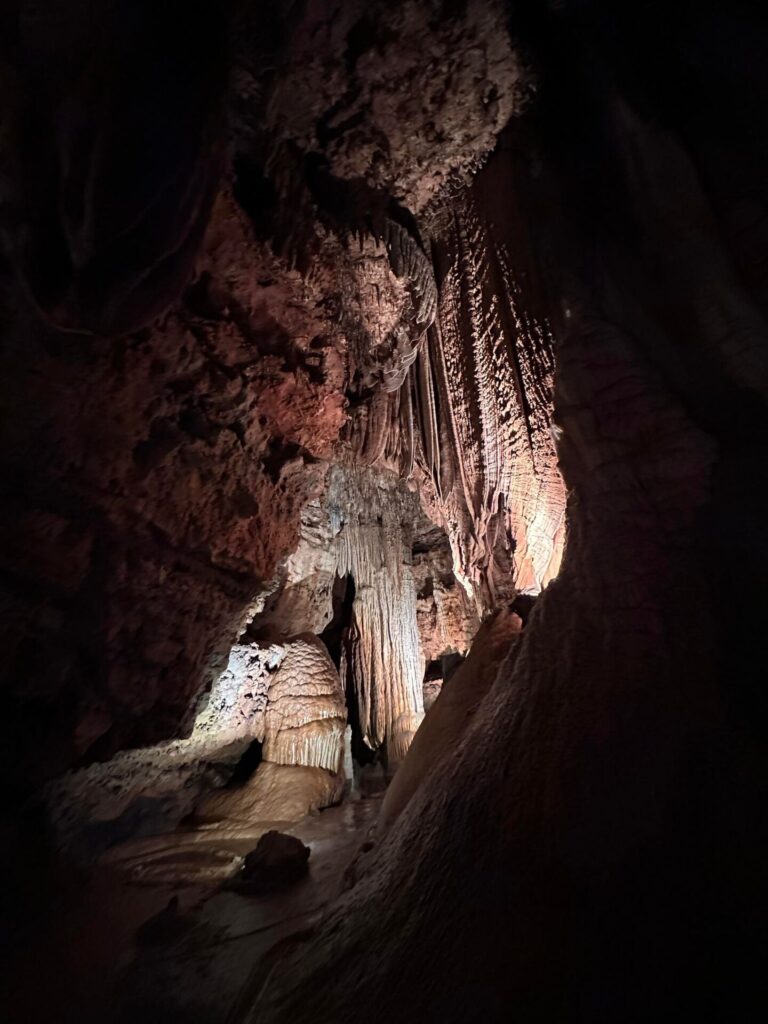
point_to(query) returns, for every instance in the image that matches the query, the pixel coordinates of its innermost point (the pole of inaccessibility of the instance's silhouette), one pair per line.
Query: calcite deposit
(155, 478)
(382, 401)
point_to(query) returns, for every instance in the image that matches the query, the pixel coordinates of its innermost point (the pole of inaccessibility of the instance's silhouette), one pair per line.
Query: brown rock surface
(305, 716)
(155, 479)
(441, 733)
(275, 793)
(236, 376)
(277, 860)
(594, 851)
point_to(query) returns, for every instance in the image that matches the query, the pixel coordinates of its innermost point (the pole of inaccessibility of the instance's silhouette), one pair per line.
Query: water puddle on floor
(153, 935)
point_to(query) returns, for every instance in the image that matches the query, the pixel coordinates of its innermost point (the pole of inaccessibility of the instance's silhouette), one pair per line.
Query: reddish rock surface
(328, 322)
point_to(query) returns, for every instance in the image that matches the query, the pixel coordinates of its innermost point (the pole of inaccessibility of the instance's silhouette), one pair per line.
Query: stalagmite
(305, 716)
(383, 423)
(385, 658)
(304, 723)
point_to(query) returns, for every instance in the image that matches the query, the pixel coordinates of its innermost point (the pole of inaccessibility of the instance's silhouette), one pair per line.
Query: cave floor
(98, 960)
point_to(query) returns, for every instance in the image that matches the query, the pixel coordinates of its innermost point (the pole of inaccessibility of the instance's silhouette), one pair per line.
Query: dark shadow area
(338, 637)
(246, 766)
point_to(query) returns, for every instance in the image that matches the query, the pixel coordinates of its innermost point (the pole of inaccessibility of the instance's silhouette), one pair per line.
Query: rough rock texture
(446, 616)
(277, 860)
(483, 386)
(595, 851)
(302, 725)
(287, 696)
(431, 690)
(174, 397)
(407, 605)
(377, 104)
(305, 715)
(153, 479)
(384, 655)
(139, 792)
(137, 487)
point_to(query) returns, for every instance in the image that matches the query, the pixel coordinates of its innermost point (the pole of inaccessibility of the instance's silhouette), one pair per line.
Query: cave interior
(385, 540)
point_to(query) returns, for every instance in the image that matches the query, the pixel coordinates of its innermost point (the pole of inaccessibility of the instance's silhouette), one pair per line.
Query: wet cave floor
(106, 951)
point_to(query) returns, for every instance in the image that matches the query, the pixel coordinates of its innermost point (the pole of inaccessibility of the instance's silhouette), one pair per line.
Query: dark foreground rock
(277, 860)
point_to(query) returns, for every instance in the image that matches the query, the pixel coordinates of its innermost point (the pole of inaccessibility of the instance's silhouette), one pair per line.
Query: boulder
(277, 860)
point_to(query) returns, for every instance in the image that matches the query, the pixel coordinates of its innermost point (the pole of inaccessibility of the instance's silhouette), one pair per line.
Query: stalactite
(483, 386)
(373, 546)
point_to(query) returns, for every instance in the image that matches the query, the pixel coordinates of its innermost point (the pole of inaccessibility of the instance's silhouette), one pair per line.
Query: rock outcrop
(277, 861)
(331, 323)
(153, 478)
(593, 851)
(450, 717)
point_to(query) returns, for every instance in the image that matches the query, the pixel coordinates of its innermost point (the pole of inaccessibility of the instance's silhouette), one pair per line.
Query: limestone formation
(142, 791)
(305, 716)
(328, 332)
(450, 717)
(484, 391)
(613, 773)
(446, 615)
(275, 793)
(144, 523)
(285, 696)
(407, 608)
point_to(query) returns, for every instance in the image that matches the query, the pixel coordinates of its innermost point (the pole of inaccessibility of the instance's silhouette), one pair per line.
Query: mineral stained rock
(369, 527)
(287, 696)
(446, 615)
(295, 288)
(614, 773)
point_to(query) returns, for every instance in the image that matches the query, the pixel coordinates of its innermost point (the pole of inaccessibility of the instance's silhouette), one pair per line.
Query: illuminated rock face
(285, 695)
(484, 395)
(445, 614)
(142, 791)
(275, 793)
(451, 715)
(384, 654)
(146, 523)
(303, 730)
(615, 770)
(364, 530)
(305, 715)
(233, 375)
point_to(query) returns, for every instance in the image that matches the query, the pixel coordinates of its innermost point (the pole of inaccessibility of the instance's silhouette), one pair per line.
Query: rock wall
(483, 388)
(140, 477)
(366, 529)
(593, 850)
(204, 279)
(286, 696)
